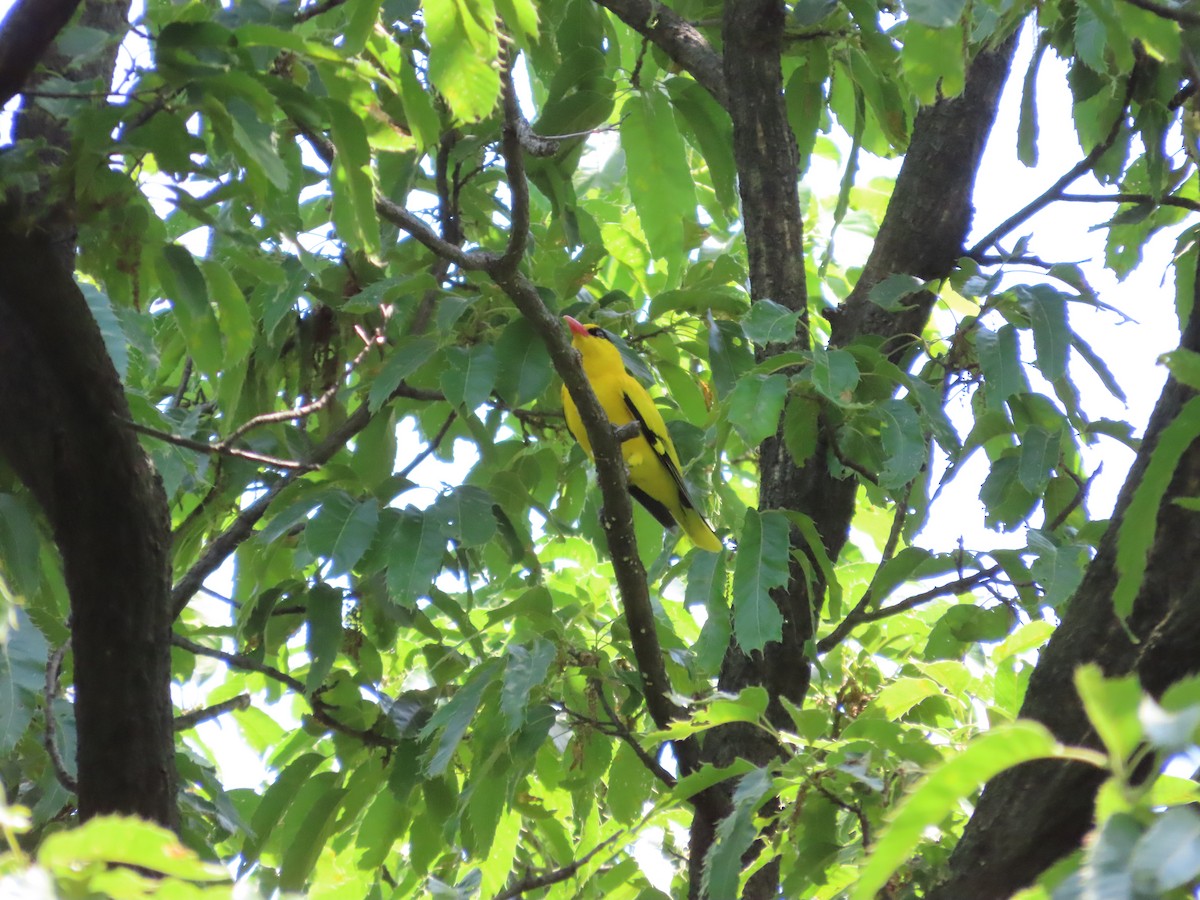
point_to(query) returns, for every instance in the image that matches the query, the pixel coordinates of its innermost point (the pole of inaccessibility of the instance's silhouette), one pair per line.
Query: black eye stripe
(596, 331)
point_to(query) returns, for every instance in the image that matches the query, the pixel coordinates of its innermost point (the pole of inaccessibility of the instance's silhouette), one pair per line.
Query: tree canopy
(300, 564)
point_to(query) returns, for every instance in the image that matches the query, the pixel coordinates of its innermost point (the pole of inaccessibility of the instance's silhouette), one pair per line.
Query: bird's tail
(700, 531)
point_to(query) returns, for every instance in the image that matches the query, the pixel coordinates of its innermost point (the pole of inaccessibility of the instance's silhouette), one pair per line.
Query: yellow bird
(655, 479)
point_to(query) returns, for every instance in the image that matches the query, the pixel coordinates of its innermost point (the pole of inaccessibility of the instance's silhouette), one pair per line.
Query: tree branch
(1175, 13)
(514, 167)
(192, 719)
(25, 34)
(676, 37)
(320, 710)
(53, 668)
(220, 448)
(1054, 192)
(1181, 202)
(533, 882)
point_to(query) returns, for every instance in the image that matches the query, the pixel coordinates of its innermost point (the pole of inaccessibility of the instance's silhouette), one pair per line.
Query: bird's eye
(594, 331)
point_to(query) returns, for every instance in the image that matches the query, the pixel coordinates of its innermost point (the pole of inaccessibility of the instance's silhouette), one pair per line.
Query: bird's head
(594, 344)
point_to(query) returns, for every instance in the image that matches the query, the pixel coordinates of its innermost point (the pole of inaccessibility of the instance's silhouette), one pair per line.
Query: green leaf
(1138, 525)
(1098, 366)
(660, 180)
(124, 841)
(755, 406)
(342, 530)
(935, 13)
(255, 140)
(324, 633)
(891, 293)
(1167, 855)
(735, 833)
(418, 109)
(897, 698)
(627, 785)
(706, 587)
(936, 796)
(364, 14)
(711, 132)
(834, 374)
(237, 324)
(1112, 708)
(520, 16)
(1039, 457)
(760, 565)
(111, 331)
(463, 46)
(415, 556)
(470, 375)
(188, 293)
(1000, 359)
(800, 427)
(465, 515)
(23, 654)
(524, 370)
(410, 355)
(309, 823)
(525, 670)
(450, 721)
(903, 443)
(351, 181)
(1047, 309)
(1027, 125)
(729, 354)
(274, 803)
(1184, 366)
(19, 546)
(769, 323)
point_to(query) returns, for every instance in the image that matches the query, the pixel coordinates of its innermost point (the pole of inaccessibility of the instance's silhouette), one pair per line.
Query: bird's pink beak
(576, 326)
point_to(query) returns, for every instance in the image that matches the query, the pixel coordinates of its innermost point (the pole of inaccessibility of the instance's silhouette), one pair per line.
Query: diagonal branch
(534, 882)
(1054, 192)
(1179, 14)
(25, 34)
(676, 37)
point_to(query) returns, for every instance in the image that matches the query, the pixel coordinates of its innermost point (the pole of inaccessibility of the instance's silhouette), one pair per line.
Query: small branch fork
(1055, 191)
(534, 882)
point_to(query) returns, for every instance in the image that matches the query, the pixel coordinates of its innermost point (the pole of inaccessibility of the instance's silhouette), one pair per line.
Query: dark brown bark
(27, 31)
(61, 406)
(922, 235)
(1032, 815)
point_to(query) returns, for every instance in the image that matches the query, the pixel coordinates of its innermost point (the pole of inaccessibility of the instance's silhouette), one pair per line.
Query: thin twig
(308, 409)
(621, 730)
(533, 882)
(320, 710)
(218, 448)
(864, 823)
(868, 596)
(430, 447)
(53, 668)
(1054, 192)
(311, 12)
(1174, 13)
(1181, 202)
(192, 719)
(862, 616)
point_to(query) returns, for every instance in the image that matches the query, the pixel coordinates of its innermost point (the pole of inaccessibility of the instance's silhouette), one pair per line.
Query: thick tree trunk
(61, 411)
(922, 235)
(1033, 815)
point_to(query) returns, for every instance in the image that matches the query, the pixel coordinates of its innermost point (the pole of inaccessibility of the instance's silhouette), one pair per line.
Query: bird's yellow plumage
(655, 477)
